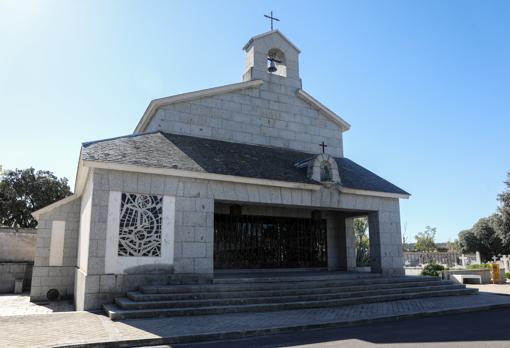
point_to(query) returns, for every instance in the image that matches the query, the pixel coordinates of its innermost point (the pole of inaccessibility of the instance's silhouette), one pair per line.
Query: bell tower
(272, 57)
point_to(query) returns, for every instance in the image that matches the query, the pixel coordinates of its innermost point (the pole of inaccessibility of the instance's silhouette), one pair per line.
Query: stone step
(139, 296)
(238, 278)
(126, 303)
(117, 313)
(282, 285)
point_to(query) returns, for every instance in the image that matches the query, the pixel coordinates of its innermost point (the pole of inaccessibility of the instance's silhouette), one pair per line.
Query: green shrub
(507, 274)
(432, 270)
(479, 266)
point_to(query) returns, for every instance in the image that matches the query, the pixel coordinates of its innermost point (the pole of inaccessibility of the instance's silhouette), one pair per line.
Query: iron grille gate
(268, 242)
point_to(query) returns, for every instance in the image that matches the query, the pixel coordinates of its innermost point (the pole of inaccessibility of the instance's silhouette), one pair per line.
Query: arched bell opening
(276, 64)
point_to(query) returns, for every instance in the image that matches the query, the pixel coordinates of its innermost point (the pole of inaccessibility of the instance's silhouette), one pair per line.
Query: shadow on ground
(11, 304)
(488, 326)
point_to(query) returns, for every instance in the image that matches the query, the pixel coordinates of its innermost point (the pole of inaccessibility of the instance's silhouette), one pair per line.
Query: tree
(25, 191)
(362, 242)
(504, 211)
(425, 241)
(454, 246)
(484, 237)
(491, 235)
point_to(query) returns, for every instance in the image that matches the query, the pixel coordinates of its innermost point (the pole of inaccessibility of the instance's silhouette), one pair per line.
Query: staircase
(259, 293)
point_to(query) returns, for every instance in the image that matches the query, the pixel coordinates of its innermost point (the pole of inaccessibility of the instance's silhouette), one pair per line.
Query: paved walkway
(58, 329)
(21, 305)
(503, 289)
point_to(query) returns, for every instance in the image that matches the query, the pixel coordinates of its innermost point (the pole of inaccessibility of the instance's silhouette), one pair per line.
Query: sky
(424, 84)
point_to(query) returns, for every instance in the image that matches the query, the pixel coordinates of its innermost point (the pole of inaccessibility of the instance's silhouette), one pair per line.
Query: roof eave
(200, 175)
(81, 178)
(344, 125)
(36, 214)
(384, 194)
(276, 31)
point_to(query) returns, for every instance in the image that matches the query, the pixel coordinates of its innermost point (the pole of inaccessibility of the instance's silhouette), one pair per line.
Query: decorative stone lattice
(140, 225)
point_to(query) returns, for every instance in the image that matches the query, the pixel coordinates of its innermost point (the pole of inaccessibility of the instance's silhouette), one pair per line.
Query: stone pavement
(20, 305)
(502, 289)
(73, 328)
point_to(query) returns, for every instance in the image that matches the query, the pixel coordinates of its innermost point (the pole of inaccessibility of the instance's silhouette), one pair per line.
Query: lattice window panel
(140, 225)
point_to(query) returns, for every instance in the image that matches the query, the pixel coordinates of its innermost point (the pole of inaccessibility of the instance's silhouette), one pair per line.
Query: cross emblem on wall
(323, 145)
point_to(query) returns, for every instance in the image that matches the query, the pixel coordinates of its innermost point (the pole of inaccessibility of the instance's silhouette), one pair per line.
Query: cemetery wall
(17, 245)
(17, 248)
(10, 271)
(414, 258)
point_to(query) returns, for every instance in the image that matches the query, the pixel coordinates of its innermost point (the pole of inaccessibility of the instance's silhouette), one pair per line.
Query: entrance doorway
(256, 242)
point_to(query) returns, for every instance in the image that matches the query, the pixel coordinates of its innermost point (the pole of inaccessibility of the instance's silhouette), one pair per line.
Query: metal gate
(268, 242)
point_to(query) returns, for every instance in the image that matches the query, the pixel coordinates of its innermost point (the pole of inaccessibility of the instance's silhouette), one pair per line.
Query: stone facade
(194, 222)
(272, 114)
(46, 277)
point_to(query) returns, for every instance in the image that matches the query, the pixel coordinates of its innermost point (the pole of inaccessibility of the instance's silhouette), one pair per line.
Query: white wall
(115, 264)
(58, 228)
(85, 216)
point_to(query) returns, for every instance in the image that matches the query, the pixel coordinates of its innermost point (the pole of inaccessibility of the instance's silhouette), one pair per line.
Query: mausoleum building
(250, 175)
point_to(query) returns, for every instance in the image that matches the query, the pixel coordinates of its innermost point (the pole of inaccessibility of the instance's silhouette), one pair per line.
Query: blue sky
(425, 85)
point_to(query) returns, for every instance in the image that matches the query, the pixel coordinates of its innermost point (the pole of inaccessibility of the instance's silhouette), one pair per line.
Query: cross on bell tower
(272, 19)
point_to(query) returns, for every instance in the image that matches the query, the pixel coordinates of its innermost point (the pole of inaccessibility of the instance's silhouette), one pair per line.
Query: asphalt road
(477, 329)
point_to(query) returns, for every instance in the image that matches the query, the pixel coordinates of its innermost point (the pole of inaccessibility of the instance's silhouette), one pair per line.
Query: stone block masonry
(195, 201)
(128, 228)
(194, 225)
(11, 271)
(60, 277)
(271, 115)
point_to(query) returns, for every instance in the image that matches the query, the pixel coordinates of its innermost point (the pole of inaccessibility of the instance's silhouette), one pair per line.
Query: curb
(271, 331)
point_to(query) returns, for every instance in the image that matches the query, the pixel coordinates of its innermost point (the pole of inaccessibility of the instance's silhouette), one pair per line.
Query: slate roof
(165, 150)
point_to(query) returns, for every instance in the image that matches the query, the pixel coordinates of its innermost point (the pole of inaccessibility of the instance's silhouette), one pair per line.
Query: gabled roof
(148, 149)
(172, 151)
(273, 32)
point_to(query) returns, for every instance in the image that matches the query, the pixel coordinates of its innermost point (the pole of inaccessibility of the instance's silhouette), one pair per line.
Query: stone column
(375, 242)
(386, 254)
(350, 244)
(336, 239)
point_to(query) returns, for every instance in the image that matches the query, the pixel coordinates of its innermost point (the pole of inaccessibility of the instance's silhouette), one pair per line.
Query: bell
(272, 67)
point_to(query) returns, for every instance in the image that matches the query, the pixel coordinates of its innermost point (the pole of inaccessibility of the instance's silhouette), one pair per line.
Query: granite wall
(194, 225)
(61, 277)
